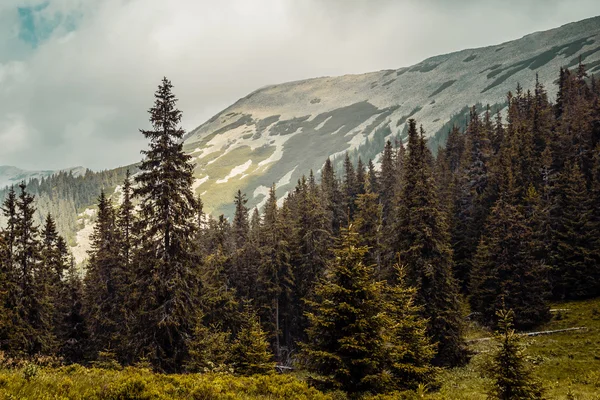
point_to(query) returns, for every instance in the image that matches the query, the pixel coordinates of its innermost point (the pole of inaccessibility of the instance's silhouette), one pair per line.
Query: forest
(362, 280)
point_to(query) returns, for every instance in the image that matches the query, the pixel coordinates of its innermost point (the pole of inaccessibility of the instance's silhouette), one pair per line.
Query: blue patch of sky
(36, 26)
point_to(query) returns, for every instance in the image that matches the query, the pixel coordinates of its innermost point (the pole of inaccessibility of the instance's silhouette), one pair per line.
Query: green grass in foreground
(567, 364)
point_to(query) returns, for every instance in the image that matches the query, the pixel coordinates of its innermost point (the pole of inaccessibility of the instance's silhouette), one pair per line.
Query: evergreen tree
(11, 325)
(471, 206)
(506, 271)
(422, 242)
(35, 304)
(166, 280)
(250, 353)
(361, 177)
(103, 300)
(276, 277)
(72, 332)
(349, 187)
(387, 182)
(368, 223)
(209, 349)
(575, 273)
(513, 379)
(125, 223)
(332, 198)
(358, 340)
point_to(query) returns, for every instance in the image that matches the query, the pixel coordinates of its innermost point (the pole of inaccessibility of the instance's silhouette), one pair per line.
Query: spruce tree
(387, 181)
(368, 223)
(166, 280)
(35, 304)
(72, 332)
(571, 253)
(364, 336)
(512, 377)
(506, 271)
(276, 277)
(471, 205)
(422, 243)
(103, 301)
(349, 187)
(250, 354)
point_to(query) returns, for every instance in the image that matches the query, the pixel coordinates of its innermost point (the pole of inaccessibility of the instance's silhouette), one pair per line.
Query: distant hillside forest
(363, 280)
(64, 196)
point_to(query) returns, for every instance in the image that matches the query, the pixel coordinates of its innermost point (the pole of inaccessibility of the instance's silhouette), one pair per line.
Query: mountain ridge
(284, 130)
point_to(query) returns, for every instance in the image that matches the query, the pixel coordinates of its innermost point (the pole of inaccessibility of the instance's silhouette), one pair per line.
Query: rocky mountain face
(277, 133)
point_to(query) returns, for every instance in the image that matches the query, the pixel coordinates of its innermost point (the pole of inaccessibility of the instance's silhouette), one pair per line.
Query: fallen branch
(579, 328)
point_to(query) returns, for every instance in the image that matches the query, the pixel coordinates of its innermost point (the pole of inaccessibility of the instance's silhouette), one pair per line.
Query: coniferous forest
(364, 280)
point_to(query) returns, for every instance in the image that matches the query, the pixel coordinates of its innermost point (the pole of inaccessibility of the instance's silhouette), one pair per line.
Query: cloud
(76, 90)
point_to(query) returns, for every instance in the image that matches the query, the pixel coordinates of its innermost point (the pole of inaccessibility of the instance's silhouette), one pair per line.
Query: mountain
(279, 132)
(10, 175)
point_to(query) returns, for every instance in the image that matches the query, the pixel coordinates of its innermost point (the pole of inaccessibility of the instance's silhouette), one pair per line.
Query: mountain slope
(279, 132)
(10, 175)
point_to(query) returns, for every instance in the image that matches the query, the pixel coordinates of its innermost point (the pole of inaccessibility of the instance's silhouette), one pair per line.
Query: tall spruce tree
(276, 277)
(166, 278)
(421, 240)
(103, 300)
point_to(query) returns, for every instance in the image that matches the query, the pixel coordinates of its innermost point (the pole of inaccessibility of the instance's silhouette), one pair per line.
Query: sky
(78, 76)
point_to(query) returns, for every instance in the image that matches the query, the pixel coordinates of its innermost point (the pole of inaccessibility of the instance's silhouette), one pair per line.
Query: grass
(567, 364)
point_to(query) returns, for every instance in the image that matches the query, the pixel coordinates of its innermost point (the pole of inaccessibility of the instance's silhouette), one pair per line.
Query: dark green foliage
(575, 270)
(513, 379)
(422, 242)
(362, 335)
(471, 206)
(104, 285)
(166, 280)
(276, 277)
(250, 353)
(506, 272)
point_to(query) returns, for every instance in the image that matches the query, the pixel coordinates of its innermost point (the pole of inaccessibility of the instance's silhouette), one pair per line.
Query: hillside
(279, 132)
(10, 175)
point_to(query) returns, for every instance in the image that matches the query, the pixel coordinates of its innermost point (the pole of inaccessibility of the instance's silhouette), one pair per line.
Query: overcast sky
(77, 76)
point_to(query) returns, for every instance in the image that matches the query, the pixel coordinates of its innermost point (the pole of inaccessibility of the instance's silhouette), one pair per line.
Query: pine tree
(72, 332)
(209, 349)
(372, 177)
(387, 181)
(244, 270)
(11, 325)
(103, 301)
(571, 255)
(513, 379)
(250, 352)
(422, 242)
(471, 205)
(361, 177)
(368, 223)
(125, 223)
(166, 280)
(276, 277)
(349, 187)
(35, 304)
(506, 271)
(363, 336)
(332, 198)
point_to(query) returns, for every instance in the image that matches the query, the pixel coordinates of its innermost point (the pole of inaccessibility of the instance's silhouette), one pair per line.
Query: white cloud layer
(79, 97)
